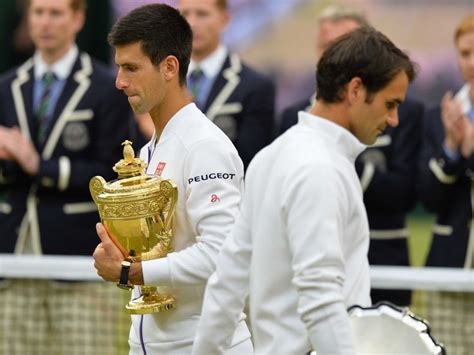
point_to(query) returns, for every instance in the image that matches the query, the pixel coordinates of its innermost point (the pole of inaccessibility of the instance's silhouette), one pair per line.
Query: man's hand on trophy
(108, 260)
(107, 257)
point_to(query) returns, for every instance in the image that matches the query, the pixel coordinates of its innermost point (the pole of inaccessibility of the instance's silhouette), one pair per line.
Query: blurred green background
(419, 225)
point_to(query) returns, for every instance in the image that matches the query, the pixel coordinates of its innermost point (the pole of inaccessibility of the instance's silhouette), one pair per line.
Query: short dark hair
(365, 53)
(161, 30)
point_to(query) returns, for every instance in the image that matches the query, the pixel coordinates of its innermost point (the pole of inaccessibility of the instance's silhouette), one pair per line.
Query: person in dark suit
(62, 121)
(445, 187)
(387, 169)
(238, 99)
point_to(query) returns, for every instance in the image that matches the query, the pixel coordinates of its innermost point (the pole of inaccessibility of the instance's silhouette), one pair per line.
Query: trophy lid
(134, 194)
(129, 166)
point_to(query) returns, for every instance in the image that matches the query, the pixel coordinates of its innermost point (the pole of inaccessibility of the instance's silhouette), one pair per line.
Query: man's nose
(120, 82)
(392, 118)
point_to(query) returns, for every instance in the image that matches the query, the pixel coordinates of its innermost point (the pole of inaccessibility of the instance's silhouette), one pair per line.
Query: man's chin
(368, 140)
(137, 109)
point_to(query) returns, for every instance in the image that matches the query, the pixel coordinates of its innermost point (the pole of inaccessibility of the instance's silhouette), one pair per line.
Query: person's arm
(318, 213)
(438, 173)
(18, 157)
(226, 292)
(9, 169)
(73, 170)
(211, 208)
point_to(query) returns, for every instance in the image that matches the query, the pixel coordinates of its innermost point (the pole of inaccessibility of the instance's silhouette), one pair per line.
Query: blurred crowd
(62, 121)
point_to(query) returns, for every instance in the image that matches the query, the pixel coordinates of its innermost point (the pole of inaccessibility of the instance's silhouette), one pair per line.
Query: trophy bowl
(137, 211)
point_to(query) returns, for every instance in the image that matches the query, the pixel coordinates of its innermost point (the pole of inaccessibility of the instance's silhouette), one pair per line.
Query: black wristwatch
(123, 282)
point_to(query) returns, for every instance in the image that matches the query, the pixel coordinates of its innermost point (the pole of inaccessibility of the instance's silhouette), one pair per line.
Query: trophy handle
(172, 195)
(96, 187)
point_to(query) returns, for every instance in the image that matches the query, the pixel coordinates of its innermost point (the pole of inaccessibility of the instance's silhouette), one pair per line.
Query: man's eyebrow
(397, 101)
(126, 64)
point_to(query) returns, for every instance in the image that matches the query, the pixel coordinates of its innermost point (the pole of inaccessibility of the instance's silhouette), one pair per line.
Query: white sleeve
(316, 207)
(225, 293)
(211, 208)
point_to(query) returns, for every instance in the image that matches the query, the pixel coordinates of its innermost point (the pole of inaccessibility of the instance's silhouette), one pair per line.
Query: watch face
(126, 263)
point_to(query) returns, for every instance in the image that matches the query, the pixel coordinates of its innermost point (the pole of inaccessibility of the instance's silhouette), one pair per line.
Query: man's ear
(355, 89)
(79, 20)
(225, 19)
(170, 67)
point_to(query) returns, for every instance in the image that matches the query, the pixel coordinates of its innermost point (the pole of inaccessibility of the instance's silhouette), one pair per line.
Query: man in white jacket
(299, 246)
(153, 48)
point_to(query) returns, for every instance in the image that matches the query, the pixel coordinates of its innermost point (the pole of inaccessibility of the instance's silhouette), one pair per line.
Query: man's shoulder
(10, 75)
(202, 131)
(255, 75)
(101, 77)
(99, 69)
(7, 77)
(247, 72)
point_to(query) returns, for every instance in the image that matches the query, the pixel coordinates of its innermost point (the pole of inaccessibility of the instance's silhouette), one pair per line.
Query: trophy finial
(128, 152)
(129, 166)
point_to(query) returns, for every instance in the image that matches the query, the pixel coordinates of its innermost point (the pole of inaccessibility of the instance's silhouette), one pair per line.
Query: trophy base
(153, 302)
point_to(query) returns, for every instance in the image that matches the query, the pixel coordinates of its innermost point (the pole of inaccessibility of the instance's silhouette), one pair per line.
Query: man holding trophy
(153, 48)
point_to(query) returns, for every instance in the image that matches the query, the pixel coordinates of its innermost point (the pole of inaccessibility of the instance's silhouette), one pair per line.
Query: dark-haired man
(299, 246)
(152, 52)
(387, 169)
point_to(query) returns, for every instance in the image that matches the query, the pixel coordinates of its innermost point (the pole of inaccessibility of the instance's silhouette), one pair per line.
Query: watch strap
(124, 273)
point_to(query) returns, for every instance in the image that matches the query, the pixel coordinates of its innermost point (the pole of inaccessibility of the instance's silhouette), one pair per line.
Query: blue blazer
(446, 188)
(91, 120)
(242, 103)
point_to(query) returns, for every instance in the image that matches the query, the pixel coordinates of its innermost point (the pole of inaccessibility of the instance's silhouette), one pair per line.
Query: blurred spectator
(446, 186)
(387, 169)
(235, 97)
(62, 121)
(16, 45)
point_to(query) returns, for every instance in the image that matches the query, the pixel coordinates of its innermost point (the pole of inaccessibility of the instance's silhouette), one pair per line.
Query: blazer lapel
(224, 86)
(217, 86)
(22, 92)
(76, 86)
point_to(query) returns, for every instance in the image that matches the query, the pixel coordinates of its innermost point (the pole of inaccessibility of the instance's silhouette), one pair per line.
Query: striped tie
(42, 114)
(195, 82)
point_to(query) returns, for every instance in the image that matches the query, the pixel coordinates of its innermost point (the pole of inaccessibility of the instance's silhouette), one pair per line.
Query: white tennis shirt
(199, 158)
(299, 248)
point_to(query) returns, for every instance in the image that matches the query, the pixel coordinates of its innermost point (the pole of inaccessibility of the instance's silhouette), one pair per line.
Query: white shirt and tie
(201, 75)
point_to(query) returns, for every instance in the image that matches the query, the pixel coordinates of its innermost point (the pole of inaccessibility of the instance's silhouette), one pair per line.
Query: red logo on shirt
(160, 168)
(215, 198)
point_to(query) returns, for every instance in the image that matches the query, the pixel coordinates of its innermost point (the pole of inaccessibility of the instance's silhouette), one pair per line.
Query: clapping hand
(14, 146)
(459, 131)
